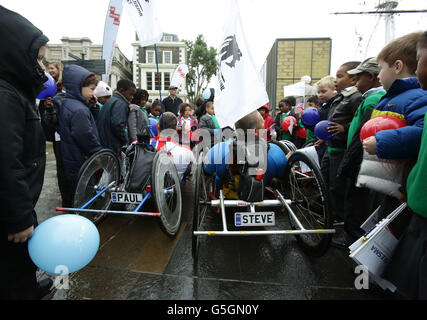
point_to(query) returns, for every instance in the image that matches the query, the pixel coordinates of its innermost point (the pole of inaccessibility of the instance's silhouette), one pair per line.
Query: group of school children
(394, 84)
(113, 120)
(385, 85)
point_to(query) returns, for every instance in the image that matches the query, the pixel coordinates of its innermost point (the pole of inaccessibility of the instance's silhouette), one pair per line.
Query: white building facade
(84, 48)
(170, 53)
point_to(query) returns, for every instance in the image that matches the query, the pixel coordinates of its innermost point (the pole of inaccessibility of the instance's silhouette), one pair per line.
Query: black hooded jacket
(22, 141)
(77, 126)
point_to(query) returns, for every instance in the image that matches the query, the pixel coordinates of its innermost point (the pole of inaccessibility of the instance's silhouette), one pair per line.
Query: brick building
(290, 59)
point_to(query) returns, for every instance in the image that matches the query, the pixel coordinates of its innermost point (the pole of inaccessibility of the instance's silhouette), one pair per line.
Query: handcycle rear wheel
(166, 190)
(99, 171)
(306, 189)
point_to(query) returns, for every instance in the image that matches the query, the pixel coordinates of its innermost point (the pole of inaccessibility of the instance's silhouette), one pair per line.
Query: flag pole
(160, 83)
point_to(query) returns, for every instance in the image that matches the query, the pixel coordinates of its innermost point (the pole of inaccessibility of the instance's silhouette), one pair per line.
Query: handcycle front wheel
(286, 146)
(98, 172)
(166, 190)
(202, 200)
(309, 143)
(306, 189)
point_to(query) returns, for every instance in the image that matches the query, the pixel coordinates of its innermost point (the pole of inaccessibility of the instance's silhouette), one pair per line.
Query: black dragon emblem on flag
(229, 48)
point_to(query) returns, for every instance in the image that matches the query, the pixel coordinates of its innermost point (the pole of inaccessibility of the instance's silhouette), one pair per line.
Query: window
(149, 78)
(150, 58)
(167, 57)
(166, 80)
(157, 82)
(167, 38)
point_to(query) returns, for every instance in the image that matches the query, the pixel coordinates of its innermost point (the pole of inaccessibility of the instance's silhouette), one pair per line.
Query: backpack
(140, 158)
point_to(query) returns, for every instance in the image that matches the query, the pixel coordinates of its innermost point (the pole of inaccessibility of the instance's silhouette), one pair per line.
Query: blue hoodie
(77, 126)
(404, 100)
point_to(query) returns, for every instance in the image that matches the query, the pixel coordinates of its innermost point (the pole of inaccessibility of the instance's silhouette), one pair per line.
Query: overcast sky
(263, 21)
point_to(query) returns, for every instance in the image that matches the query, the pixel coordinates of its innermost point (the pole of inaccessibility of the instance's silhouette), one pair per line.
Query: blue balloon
(321, 130)
(310, 116)
(64, 244)
(207, 94)
(217, 158)
(276, 162)
(216, 161)
(152, 123)
(50, 90)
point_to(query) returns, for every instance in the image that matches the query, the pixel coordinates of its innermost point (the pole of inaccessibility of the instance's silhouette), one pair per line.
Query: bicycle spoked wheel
(202, 197)
(98, 172)
(306, 189)
(167, 192)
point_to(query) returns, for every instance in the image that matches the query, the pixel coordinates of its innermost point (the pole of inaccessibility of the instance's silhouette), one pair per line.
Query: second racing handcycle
(145, 183)
(288, 198)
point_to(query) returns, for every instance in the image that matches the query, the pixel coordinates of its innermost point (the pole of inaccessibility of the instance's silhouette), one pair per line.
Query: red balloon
(289, 122)
(378, 124)
(301, 133)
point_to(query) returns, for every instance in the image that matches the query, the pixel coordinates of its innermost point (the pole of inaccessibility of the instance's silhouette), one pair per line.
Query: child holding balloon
(327, 94)
(285, 106)
(357, 207)
(340, 114)
(404, 100)
(407, 267)
(22, 153)
(312, 102)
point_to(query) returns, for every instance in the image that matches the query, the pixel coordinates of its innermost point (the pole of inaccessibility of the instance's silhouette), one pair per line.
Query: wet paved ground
(136, 261)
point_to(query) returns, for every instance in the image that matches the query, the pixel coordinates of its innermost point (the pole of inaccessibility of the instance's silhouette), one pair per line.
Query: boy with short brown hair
(398, 63)
(404, 100)
(406, 269)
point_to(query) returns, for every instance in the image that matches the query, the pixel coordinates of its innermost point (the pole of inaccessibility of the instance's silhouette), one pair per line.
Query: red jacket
(268, 121)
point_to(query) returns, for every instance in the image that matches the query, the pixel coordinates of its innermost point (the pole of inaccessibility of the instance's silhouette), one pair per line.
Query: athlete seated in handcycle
(244, 165)
(167, 140)
(154, 174)
(246, 171)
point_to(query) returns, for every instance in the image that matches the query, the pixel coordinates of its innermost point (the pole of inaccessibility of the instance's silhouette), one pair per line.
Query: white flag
(296, 90)
(179, 75)
(144, 18)
(240, 87)
(112, 23)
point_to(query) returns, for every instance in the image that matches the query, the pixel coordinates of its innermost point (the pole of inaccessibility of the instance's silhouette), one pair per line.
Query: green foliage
(202, 64)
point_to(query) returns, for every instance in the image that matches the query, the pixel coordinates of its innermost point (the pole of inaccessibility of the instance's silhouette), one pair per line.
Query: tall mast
(388, 6)
(387, 9)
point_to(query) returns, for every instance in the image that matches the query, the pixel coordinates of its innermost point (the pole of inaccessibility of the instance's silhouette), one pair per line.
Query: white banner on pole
(143, 15)
(179, 75)
(296, 89)
(111, 28)
(241, 89)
